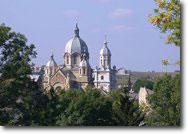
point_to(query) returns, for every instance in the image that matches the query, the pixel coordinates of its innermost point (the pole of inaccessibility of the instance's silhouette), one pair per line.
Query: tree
(53, 108)
(92, 108)
(87, 108)
(167, 18)
(22, 102)
(16, 55)
(142, 83)
(165, 102)
(34, 107)
(125, 109)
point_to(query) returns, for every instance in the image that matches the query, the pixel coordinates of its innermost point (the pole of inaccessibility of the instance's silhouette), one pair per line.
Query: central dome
(76, 44)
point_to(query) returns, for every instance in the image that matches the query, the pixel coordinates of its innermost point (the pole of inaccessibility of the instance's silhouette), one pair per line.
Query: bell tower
(105, 56)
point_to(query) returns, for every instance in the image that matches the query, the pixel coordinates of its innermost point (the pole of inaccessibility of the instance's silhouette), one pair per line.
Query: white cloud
(71, 13)
(120, 13)
(115, 28)
(120, 28)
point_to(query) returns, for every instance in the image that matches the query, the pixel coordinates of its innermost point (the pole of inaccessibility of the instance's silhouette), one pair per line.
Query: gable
(58, 77)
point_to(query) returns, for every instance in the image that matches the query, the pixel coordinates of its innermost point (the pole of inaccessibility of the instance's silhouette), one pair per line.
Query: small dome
(76, 44)
(84, 63)
(105, 50)
(51, 62)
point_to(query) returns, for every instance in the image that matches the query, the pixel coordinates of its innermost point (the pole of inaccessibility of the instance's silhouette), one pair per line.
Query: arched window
(84, 71)
(58, 89)
(104, 62)
(67, 59)
(102, 77)
(75, 59)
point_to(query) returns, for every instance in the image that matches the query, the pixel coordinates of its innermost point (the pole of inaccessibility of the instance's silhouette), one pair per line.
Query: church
(76, 71)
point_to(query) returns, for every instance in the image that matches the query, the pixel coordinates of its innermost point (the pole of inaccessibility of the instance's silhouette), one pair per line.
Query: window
(102, 77)
(67, 59)
(84, 70)
(74, 60)
(104, 62)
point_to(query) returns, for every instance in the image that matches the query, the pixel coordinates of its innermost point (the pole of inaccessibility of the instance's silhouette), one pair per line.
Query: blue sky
(135, 44)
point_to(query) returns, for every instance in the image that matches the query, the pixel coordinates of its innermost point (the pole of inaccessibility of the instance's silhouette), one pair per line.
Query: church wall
(58, 78)
(58, 85)
(104, 80)
(104, 86)
(106, 77)
(84, 85)
(76, 72)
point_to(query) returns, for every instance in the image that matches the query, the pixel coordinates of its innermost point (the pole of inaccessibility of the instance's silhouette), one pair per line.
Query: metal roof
(76, 44)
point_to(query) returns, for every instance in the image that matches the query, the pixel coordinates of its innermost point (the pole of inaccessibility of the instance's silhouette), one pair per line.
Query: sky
(134, 43)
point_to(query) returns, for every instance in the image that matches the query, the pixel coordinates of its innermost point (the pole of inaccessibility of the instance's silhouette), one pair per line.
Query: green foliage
(52, 109)
(142, 83)
(165, 62)
(91, 108)
(165, 102)
(15, 54)
(22, 102)
(125, 110)
(88, 108)
(167, 18)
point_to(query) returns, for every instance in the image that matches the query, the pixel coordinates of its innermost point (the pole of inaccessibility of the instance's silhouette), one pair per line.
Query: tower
(85, 72)
(51, 66)
(104, 76)
(49, 70)
(74, 50)
(84, 66)
(76, 60)
(105, 56)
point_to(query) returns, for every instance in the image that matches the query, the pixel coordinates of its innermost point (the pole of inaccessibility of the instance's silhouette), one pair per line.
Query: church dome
(105, 50)
(76, 44)
(51, 62)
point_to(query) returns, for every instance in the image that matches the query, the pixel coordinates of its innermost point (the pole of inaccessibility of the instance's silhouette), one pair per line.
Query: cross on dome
(76, 30)
(105, 41)
(52, 56)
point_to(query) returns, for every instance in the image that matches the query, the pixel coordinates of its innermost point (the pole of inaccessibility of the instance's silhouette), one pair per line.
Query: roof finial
(105, 41)
(52, 56)
(76, 18)
(77, 25)
(76, 31)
